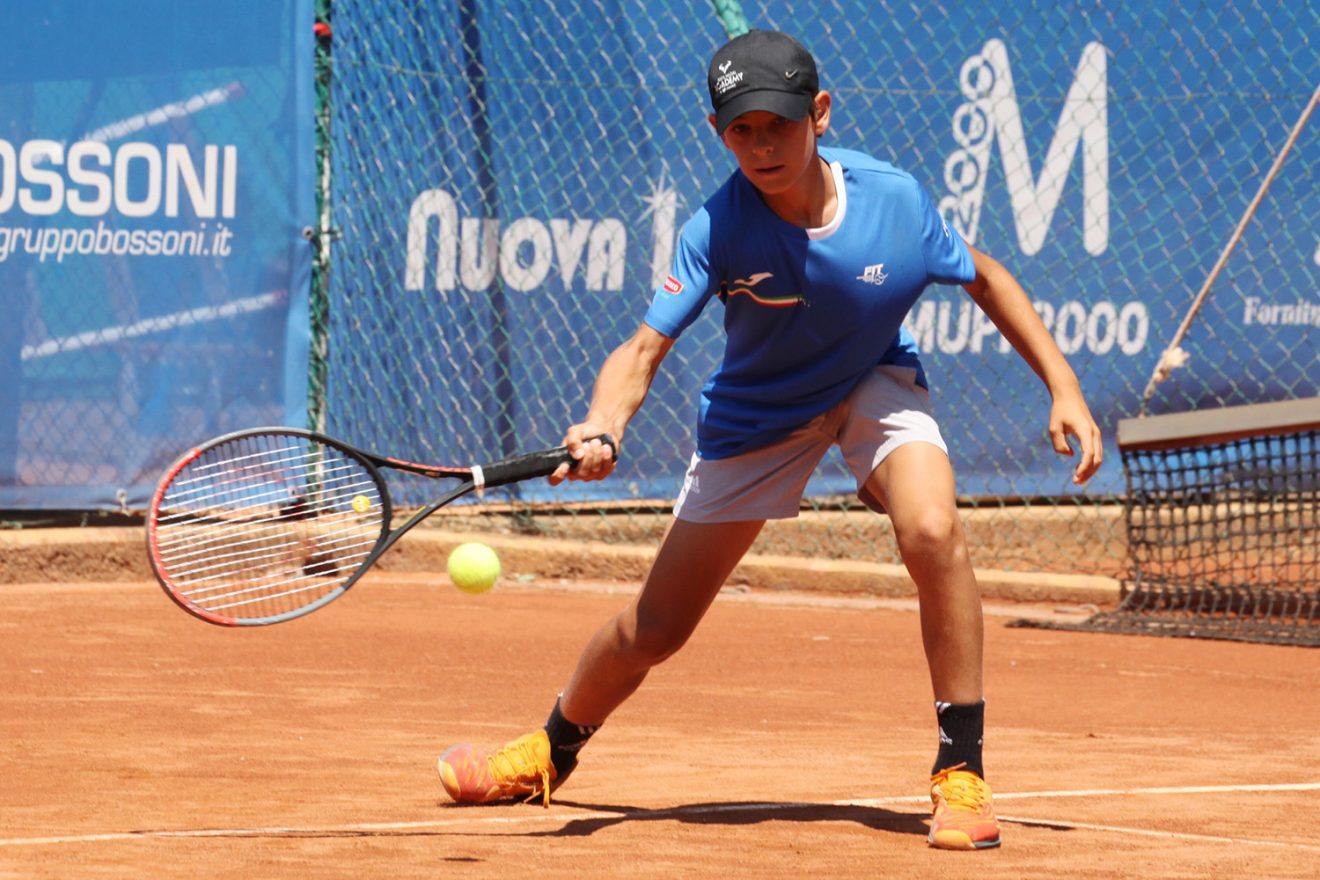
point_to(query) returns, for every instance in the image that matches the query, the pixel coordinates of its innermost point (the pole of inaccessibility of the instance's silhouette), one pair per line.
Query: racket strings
(268, 524)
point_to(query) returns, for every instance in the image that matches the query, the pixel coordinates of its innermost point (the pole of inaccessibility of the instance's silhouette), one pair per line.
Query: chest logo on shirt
(873, 274)
(745, 285)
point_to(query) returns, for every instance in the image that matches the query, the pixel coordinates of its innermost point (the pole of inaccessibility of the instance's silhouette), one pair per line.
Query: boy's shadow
(736, 813)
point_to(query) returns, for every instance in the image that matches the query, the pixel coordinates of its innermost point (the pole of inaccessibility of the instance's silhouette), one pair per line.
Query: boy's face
(773, 152)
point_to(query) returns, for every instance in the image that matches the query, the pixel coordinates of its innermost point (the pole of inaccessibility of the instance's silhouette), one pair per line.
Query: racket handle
(535, 464)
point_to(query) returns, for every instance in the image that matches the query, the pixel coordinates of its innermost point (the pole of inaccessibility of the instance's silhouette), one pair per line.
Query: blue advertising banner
(508, 180)
(156, 174)
(515, 203)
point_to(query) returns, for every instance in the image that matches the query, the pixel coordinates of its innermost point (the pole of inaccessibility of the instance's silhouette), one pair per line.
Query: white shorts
(886, 410)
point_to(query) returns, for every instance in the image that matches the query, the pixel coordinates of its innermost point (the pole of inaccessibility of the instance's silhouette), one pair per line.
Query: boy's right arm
(621, 386)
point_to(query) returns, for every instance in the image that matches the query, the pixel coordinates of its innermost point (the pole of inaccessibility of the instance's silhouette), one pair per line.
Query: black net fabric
(1224, 542)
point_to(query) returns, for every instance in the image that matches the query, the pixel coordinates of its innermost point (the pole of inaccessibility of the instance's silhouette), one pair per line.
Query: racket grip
(535, 464)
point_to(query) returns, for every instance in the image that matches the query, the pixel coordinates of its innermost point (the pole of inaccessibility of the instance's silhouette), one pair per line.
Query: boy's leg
(719, 512)
(690, 567)
(692, 564)
(916, 486)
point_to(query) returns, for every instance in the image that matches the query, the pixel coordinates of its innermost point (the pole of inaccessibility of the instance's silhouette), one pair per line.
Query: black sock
(566, 739)
(962, 727)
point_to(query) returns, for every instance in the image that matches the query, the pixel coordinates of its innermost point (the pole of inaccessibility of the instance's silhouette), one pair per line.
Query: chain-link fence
(508, 177)
(499, 186)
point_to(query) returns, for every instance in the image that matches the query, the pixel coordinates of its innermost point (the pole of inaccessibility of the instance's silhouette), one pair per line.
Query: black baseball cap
(761, 70)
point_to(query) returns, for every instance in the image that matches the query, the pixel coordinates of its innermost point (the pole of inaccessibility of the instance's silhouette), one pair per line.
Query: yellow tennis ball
(473, 567)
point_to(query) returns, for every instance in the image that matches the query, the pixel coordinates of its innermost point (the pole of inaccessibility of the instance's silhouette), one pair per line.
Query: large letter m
(991, 114)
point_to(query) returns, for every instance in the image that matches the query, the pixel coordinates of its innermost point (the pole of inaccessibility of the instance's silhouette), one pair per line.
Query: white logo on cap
(724, 68)
(728, 80)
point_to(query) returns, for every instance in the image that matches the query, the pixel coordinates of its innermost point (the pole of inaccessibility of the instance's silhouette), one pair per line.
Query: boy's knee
(932, 531)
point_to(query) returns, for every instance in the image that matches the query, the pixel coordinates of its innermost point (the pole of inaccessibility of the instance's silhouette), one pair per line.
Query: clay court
(423, 228)
(791, 738)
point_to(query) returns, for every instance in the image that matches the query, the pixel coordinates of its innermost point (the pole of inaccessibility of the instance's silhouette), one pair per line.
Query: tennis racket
(267, 525)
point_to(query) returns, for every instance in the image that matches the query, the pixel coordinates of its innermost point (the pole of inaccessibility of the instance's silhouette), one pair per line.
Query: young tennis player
(816, 255)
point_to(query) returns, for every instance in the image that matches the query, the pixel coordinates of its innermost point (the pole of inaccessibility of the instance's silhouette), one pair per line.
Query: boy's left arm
(1004, 301)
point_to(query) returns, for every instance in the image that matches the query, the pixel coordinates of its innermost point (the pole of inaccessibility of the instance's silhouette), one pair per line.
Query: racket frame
(499, 473)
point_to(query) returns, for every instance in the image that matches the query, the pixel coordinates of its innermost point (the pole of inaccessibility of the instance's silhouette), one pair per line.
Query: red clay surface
(791, 738)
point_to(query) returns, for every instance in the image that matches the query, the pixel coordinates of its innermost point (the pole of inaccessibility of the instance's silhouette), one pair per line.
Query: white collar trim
(840, 207)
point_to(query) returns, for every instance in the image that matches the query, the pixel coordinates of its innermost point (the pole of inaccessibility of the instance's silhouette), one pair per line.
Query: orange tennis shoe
(521, 769)
(964, 816)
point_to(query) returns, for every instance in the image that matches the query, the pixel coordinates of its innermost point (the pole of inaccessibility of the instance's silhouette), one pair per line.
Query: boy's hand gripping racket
(262, 526)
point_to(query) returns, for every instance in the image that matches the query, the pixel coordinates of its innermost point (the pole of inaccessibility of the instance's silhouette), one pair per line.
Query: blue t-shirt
(808, 313)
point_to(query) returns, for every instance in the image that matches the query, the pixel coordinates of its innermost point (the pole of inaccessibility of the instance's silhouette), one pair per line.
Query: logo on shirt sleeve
(673, 285)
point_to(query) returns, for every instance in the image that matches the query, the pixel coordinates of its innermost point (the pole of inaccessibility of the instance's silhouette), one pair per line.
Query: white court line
(1166, 835)
(1124, 792)
(541, 816)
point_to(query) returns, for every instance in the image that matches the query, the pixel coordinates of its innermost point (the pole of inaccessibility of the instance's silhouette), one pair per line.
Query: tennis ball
(473, 567)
